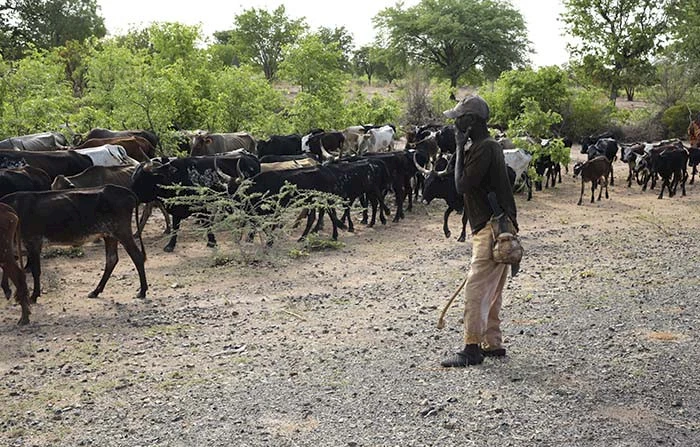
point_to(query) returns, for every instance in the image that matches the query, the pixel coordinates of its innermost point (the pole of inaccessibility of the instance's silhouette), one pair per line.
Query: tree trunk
(630, 93)
(613, 93)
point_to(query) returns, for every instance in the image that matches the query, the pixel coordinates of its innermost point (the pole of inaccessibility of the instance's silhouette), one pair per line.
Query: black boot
(498, 352)
(470, 355)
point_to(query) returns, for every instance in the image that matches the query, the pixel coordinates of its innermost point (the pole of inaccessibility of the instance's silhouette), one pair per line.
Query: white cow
(108, 155)
(519, 161)
(376, 140)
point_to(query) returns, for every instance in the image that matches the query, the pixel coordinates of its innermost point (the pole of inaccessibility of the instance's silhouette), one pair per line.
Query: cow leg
(580, 199)
(334, 221)
(593, 185)
(528, 184)
(559, 171)
(683, 180)
(19, 279)
(407, 187)
(211, 239)
(6, 284)
(111, 259)
(173, 237)
(601, 186)
(612, 175)
(663, 184)
(445, 228)
(166, 216)
(363, 202)
(374, 202)
(399, 193)
(145, 214)
(310, 216)
(319, 223)
(695, 171)
(463, 235)
(138, 258)
(351, 227)
(33, 247)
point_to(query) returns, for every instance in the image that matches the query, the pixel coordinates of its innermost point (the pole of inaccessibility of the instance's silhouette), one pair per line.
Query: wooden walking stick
(441, 320)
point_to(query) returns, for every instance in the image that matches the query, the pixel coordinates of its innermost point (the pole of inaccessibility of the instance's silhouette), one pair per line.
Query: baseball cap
(471, 104)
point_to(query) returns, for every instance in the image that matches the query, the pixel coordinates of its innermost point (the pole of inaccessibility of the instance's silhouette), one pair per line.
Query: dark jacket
(485, 171)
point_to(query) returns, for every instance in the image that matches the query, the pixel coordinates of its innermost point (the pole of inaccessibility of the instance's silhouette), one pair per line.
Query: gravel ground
(341, 348)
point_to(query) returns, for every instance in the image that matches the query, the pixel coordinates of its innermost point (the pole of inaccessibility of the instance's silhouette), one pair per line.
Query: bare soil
(340, 348)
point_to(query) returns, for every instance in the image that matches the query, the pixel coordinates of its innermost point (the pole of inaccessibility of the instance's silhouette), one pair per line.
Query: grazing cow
(107, 155)
(53, 163)
(378, 140)
(320, 178)
(110, 175)
(595, 171)
(74, 216)
(138, 148)
(106, 133)
(279, 145)
(320, 143)
(26, 178)
(216, 143)
(39, 142)
(519, 161)
(150, 178)
(9, 245)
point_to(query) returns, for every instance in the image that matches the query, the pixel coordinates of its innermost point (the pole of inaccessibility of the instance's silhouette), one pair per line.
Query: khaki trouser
(483, 292)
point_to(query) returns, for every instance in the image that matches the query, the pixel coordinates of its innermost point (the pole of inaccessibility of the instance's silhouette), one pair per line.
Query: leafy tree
(46, 24)
(617, 38)
(456, 37)
(172, 41)
(259, 37)
(342, 38)
(36, 95)
(685, 22)
(314, 66)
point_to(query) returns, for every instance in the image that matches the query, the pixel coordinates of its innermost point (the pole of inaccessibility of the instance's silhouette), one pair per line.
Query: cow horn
(225, 177)
(420, 168)
(238, 170)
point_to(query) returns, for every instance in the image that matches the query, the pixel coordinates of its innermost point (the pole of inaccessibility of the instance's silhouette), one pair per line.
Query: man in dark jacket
(480, 169)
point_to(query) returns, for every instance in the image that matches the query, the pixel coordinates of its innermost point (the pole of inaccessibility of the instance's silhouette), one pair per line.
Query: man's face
(465, 122)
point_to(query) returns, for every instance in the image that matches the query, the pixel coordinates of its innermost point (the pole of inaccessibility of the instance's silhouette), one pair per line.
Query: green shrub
(677, 118)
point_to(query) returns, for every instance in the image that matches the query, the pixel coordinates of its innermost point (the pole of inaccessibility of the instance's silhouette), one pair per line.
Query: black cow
(98, 132)
(53, 163)
(321, 142)
(39, 142)
(596, 171)
(95, 176)
(446, 139)
(545, 167)
(71, 217)
(150, 178)
(592, 139)
(671, 164)
(320, 178)
(399, 164)
(26, 178)
(279, 145)
(629, 155)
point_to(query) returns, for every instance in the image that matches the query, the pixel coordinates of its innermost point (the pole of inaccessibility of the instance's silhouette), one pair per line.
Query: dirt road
(340, 348)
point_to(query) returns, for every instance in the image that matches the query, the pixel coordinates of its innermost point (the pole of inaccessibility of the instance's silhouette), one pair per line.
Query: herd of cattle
(50, 190)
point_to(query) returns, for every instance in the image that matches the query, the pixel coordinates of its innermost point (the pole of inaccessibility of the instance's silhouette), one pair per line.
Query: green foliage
(259, 37)
(617, 40)
(173, 41)
(676, 119)
(35, 95)
(533, 121)
(456, 37)
(244, 101)
(685, 22)
(548, 86)
(424, 99)
(377, 109)
(271, 216)
(586, 114)
(314, 66)
(46, 24)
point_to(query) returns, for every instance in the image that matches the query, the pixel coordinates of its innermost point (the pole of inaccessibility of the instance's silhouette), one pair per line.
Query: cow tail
(138, 230)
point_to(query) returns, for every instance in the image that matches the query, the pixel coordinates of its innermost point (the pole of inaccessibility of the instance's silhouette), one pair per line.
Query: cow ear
(208, 140)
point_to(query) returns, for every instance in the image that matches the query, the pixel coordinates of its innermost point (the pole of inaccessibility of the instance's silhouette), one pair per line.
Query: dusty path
(340, 348)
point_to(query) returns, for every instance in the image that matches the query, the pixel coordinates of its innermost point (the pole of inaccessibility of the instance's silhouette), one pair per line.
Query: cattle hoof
(93, 294)
(448, 234)
(168, 249)
(166, 231)
(210, 244)
(141, 295)
(23, 321)
(461, 239)
(351, 230)
(32, 299)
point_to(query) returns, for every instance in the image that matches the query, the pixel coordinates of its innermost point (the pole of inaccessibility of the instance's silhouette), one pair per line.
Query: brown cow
(9, 243)
(137, 148)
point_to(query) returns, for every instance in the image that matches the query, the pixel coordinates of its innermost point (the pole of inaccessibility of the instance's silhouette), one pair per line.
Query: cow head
(437, 182)
(577, 168)
(146, 178)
